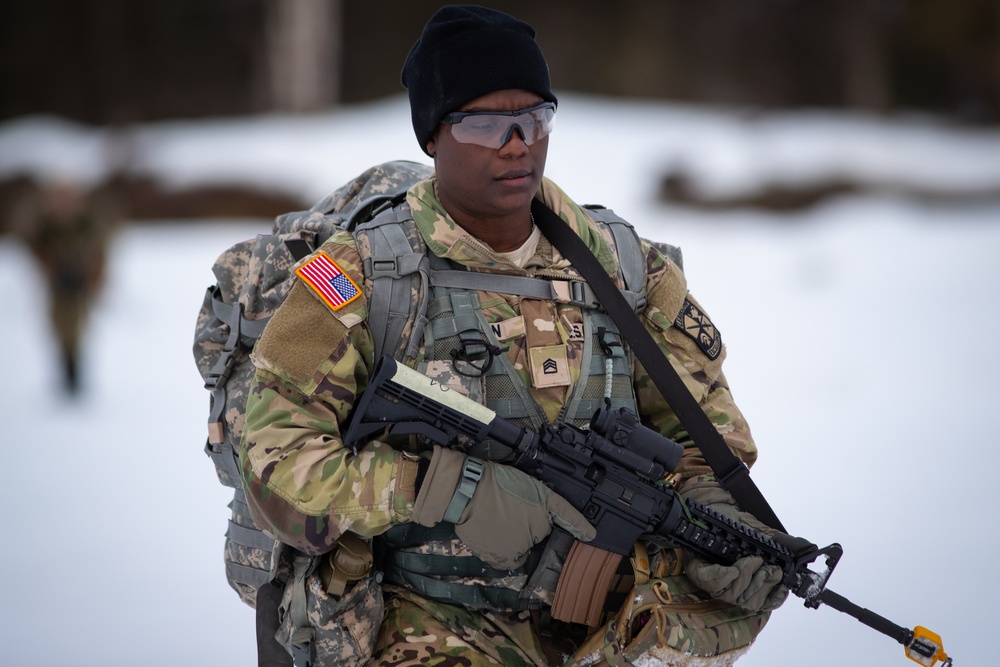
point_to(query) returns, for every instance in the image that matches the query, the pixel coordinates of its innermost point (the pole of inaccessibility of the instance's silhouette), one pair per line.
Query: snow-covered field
(862, 348)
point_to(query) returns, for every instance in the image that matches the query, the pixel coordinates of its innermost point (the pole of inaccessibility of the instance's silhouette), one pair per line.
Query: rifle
(613, 474)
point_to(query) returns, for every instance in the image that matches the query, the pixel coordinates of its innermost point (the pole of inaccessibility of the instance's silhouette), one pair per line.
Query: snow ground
(861, 340)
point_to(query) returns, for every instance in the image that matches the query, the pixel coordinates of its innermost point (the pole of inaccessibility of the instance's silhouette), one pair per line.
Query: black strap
(269, 652)
(731, 471)
(298, 248)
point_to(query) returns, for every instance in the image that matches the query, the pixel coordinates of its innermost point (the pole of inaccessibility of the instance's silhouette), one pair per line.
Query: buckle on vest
(382, 268)
(472, 472)
(575, 292)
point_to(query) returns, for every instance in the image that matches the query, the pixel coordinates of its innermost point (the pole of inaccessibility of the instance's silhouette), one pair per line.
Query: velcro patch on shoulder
(300, 336)
(331, 283)
(696, 325)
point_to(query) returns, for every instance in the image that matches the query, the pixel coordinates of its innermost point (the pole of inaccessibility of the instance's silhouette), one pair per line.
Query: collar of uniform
(446, 239)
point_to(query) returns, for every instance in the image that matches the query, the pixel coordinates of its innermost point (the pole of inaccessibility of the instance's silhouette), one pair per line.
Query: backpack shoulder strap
(631, 261)
(395, 307)
(617, 224)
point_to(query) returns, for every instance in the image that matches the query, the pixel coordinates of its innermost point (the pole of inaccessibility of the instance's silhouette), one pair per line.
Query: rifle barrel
(902, 635)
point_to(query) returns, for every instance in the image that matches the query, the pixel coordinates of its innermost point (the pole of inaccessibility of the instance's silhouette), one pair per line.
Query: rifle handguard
(799, 546)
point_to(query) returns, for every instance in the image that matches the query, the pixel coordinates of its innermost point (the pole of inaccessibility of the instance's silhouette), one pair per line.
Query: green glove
(499, 512)
(747, 583)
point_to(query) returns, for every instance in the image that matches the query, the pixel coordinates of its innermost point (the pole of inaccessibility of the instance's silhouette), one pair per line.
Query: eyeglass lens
(495, 130)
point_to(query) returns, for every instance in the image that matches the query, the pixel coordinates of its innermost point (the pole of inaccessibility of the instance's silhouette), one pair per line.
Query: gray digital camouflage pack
(253, 278)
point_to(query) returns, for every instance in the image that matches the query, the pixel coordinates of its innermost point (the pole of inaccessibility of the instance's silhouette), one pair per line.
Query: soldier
(69, 235)
(462, 540)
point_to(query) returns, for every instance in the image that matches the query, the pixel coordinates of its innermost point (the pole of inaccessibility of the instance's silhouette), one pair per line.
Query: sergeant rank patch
(329, 281)
(700, 329)
(549, 366)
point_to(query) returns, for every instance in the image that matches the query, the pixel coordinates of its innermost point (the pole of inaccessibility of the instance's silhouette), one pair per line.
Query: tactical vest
(436, 302)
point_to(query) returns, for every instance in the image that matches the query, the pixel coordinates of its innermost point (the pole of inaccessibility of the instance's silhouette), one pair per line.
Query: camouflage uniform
(306, 489)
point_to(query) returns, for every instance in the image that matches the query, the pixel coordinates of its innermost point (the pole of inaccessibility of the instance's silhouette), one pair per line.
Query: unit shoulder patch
(696, 325)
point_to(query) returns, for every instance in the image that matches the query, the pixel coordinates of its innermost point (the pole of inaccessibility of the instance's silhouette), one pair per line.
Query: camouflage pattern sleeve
(694, 348)
(303, 486)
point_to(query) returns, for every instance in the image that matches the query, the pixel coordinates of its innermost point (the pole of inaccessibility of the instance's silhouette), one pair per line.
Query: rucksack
(253, 278)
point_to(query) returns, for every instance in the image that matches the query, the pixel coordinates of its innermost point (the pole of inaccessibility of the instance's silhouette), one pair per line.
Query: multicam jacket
(315, 357)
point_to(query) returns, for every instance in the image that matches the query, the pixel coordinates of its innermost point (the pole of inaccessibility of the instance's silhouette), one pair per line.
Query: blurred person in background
(67, 228)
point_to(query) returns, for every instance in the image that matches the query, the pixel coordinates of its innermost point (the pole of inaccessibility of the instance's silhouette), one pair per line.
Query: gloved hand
(508, 512)
(747, 583)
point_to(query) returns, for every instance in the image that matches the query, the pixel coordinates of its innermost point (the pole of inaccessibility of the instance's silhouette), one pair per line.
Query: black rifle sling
(731, 471)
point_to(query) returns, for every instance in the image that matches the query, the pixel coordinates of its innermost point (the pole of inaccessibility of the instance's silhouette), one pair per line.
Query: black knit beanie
(465, 52)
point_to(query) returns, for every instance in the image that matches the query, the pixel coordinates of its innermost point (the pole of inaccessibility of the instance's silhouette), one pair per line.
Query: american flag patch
(328, 280)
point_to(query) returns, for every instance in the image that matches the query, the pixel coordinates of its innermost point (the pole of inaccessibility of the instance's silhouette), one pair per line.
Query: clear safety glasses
(493, 129)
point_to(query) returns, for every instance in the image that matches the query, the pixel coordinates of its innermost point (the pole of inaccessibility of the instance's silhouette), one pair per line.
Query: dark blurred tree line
(121, 61)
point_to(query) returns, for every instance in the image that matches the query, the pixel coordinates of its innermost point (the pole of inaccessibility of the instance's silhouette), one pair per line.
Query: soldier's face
(484, 182)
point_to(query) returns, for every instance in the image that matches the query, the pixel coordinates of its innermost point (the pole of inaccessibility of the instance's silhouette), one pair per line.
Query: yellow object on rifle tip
(927, 648)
